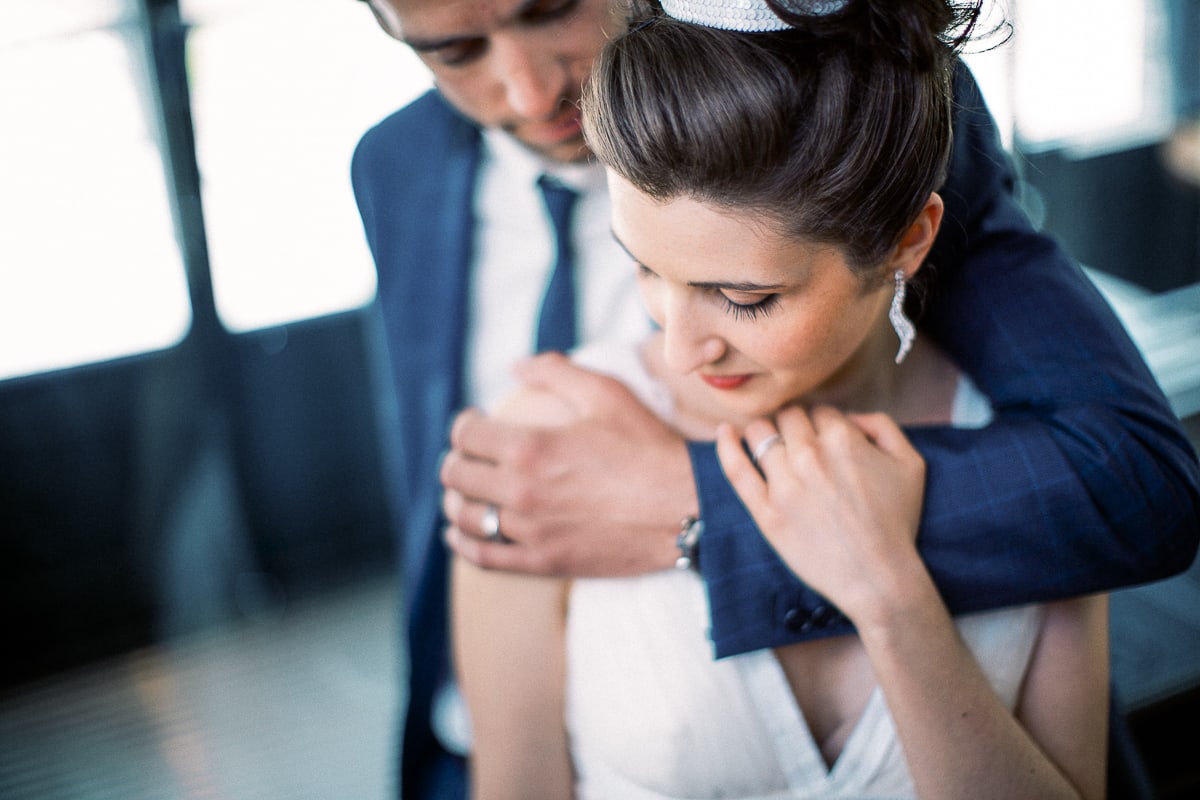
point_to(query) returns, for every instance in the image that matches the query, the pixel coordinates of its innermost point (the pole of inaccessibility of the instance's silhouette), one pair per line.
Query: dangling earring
(902, 324)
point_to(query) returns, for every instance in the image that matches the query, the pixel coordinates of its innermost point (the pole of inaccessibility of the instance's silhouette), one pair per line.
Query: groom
(1085, 481)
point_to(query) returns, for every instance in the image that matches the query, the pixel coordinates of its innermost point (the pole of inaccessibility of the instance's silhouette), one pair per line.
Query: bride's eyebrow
(733, 286)
(738, 286)
(621, 244)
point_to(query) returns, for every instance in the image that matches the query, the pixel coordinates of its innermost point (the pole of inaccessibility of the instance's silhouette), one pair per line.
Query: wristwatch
(688, 542)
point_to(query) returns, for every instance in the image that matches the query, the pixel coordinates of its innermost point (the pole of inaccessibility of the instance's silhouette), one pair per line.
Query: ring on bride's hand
(766, 444)
(491, 524)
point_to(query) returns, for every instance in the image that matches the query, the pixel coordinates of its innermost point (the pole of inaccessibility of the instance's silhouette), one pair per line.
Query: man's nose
(535, 82)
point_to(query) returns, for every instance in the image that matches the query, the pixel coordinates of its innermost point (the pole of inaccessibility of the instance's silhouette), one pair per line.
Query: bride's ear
(916, 242)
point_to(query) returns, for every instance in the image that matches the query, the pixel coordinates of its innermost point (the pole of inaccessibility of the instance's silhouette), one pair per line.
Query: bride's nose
(689, 342)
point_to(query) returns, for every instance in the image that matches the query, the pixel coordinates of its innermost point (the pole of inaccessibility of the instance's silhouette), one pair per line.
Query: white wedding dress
(652, 715)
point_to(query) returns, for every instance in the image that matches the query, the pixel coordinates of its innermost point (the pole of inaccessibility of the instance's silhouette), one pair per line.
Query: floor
(297, 706)
(1156, 640)
(301, 705)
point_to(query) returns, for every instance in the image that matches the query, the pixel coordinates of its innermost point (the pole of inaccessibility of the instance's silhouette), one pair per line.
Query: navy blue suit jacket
(1079, 417)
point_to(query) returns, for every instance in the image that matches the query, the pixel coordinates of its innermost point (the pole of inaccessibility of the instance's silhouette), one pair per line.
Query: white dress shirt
(515, 254)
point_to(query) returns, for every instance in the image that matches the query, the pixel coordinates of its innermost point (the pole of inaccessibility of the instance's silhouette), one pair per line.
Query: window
(281, 92)
(89, 265)
(1088, 74)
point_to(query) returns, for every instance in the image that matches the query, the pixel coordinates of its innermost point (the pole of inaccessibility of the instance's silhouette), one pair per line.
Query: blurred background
(196, 557)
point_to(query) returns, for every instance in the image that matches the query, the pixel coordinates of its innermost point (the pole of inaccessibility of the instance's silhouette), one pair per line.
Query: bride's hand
(839, 498)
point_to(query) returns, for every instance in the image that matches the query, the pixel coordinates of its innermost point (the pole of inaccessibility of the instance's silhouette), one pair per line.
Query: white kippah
(750, 16)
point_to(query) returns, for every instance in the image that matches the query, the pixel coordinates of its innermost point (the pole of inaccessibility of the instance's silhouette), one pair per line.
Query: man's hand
(599, 494)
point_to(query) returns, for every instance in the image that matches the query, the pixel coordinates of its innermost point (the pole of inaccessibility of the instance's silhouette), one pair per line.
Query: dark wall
(67, 588)
(136, 503)
(1121, 213)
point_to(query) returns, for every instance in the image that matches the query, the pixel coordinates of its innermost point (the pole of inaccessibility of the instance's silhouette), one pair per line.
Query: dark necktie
(556, 322)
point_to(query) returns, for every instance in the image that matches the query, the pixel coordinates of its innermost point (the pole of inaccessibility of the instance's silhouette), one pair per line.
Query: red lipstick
(725, 381)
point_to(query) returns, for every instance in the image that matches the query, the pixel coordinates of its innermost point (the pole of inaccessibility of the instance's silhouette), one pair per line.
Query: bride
(772, 170)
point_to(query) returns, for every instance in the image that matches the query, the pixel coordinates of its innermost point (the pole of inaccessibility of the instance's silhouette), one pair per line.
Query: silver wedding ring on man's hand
(762, 447)
(490, 524)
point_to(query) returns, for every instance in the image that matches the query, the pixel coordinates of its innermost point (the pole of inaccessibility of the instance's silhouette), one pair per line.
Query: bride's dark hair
(918, 32)
(837, 129)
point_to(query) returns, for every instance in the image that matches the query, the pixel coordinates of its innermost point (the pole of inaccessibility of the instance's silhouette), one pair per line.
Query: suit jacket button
(824, 616)
(798, 620)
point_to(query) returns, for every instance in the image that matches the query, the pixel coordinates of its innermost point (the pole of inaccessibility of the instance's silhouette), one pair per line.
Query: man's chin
(560, 141)
(574, 151)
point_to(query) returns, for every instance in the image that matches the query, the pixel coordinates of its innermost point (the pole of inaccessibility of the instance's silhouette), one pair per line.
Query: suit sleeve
(1085, 480)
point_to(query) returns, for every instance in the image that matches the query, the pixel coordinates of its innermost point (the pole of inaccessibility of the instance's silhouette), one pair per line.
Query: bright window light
(89, 266)
(1087, 74)
(281, 92)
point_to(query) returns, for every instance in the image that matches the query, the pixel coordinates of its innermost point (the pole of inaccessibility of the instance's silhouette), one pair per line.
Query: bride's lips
(725, 381)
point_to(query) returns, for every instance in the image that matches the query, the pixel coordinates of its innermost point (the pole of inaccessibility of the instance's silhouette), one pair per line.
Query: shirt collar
(526, 165)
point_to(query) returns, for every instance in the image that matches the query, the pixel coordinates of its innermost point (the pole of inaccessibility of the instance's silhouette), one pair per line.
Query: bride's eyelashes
(761, 307)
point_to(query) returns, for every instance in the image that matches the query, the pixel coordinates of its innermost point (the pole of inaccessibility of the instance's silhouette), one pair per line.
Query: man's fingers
(578, 387)
(476, 435)
(473, 478)
(503, 556)
(452, 505)
(488, 455)
(472, 517)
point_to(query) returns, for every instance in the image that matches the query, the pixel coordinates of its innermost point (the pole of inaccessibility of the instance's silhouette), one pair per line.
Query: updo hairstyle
(836, 130)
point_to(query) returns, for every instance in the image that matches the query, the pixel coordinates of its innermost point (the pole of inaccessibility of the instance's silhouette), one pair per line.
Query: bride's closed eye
(760, 307)
(753, 302)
